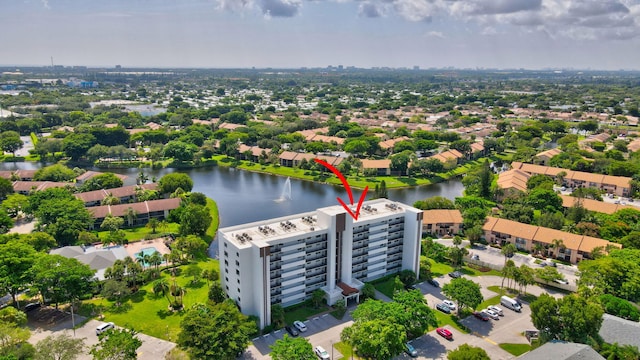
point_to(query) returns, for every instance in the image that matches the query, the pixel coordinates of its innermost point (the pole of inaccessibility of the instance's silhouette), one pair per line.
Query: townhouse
(525, 237)
(618, 185)
(442, 222)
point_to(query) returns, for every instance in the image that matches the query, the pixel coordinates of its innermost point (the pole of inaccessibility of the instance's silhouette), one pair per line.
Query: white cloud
(435, 34)
(575, 19)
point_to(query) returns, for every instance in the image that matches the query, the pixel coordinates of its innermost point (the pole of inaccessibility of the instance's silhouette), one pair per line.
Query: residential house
(125, 194)
(525, 237)
(558, 350)
(618, 185)
(98, 259)
(381, 167)
(82, 178)
(22, 175)
(442, 222)
(594, 205)
(544, 157)
(619, 330)
(144, 211)
(513, 180)
(26, 187)
(450, 158)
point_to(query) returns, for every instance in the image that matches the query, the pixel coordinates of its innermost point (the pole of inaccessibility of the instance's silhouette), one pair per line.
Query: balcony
(293, 264)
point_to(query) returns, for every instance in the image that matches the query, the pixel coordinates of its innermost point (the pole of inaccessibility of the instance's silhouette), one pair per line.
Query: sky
(529, 34)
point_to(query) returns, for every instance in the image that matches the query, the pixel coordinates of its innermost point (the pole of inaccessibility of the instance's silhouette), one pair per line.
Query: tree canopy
(464, 292)
(217, 332)
(169, 183)
(289, 348)
(571, 318)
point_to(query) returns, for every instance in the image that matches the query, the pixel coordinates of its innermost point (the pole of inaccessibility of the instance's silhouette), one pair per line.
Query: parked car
(496, 309)
(481, 315)
(562, 281)
(432, 282)
(510, 303)
(322, 353)
(104, 327)
(410, 350)
(445, 333)
(300, 326)
(450, 304)
(32, 306)
(475, 257)
(455, 274)
(492, 314)
(444, 308)
(291, 330)
(410, 287)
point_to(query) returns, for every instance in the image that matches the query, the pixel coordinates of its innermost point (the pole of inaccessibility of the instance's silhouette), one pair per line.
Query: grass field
(447, 319)
(140, 232)
(385, 286)
(346, 350)
(302, 312)
(147, 313)
(515, 349)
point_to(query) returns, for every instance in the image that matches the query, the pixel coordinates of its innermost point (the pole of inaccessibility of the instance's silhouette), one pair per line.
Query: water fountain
(286, 191)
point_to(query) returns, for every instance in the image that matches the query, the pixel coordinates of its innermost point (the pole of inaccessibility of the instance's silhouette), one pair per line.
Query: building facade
(284, 260)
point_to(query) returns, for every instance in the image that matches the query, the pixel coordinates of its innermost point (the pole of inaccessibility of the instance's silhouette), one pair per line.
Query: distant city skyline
(513, 34)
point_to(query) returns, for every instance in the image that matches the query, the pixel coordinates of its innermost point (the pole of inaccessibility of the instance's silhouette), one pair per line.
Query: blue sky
(533, 34)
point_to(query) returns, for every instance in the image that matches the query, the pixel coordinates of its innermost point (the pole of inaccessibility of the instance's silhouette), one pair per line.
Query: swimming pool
(146, 251)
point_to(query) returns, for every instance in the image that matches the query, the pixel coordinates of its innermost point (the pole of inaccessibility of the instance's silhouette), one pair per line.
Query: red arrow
(347, 187)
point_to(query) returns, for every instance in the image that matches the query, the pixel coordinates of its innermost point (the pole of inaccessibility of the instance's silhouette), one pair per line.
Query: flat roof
(259, 232)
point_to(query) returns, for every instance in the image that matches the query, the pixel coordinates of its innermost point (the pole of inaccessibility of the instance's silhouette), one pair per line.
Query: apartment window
(226, 263)
(226, 279)
(237, 272)
(237, 263)
(238, 289)
(225, 253)
(226, 270)
(227, 287)
(238, 281)
(225, 245)
(237, 254)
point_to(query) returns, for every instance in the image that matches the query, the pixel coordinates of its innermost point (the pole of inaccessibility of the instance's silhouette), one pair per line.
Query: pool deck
(136, 247)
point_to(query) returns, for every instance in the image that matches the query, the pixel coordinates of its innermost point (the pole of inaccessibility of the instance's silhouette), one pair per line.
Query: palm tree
(557, 244)
(143, 259)
(142, 178)
(508, 250)
(155, 259)
(161, 286)
(538, 248)
(131, 215)
(153, 225)
(110, 200)
(507, 271)
(177, 292)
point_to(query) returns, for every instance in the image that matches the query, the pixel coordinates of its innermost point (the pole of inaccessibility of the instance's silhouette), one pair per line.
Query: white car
(496, 310)
(450, 304)
(562, 281)
(492, 314)
(300, 326)
(322, 353)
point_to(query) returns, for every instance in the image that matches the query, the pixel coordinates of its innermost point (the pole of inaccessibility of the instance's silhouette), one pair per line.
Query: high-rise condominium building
(284, 260)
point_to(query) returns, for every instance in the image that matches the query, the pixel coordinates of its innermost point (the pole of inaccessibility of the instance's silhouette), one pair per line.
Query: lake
(244, 196)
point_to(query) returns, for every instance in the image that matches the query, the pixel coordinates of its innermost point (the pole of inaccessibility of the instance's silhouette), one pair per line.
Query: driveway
(152, 348)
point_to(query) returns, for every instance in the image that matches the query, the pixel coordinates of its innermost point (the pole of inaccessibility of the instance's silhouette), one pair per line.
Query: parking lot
(152, 348)
(323, 330)
(484, 334)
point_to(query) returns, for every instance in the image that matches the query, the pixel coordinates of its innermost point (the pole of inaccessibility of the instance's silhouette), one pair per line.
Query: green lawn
(515, 349)
(140, 232)
(346, 350)
(439, 269)
(148, 313)
(490, 301)
(302, 312)
(447, 319)
(213, 228)
(385, 286)
(510, 292)
(359, 182)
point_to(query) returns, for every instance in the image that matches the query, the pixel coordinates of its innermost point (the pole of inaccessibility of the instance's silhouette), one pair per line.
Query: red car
(445, 333)
(481, 315)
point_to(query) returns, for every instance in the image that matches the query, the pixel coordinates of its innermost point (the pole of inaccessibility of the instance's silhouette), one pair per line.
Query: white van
(510, 303)
(104, 327)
